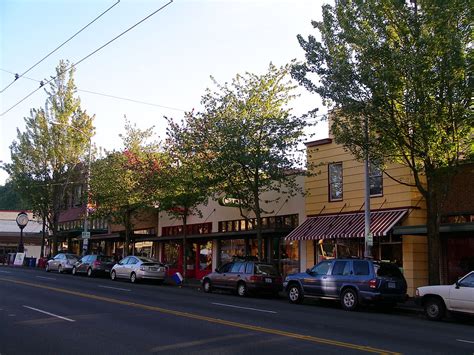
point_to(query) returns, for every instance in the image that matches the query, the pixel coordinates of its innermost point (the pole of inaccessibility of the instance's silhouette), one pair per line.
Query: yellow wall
(395, 195)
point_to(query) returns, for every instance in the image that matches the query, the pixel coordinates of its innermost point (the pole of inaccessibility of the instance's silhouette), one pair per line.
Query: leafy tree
(124, 183)
(10, 198)
(246, 139)
(406, 68)
(45, 157)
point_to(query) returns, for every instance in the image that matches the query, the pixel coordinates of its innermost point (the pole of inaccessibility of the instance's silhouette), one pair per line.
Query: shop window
(230, 249)
(376, 179)
(205, 256)
(335, 181)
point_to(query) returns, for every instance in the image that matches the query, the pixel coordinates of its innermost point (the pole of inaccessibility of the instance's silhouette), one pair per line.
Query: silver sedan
(137, 268)
(62, 262)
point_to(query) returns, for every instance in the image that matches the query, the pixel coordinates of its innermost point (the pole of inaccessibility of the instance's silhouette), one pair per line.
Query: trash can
(42, 263)
(26, 261)
(32, 262)
(11, 258)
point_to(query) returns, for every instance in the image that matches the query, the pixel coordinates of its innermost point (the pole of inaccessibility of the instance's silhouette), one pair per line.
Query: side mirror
(308, 271)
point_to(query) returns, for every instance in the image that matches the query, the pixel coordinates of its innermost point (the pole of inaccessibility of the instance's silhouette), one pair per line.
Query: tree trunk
(433, 221)
(128, 228)
(185, 232)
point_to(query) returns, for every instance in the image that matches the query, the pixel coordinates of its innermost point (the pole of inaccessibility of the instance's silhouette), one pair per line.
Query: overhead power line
(18, 76)
(111, 96)
(87, 56)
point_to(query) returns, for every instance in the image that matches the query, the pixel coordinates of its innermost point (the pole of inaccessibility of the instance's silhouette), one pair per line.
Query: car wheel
(207, 286)
(74, 271)
(295, 295)
(435, 309)
(349, 299)
(113, 275)
(133, 278)
(89, 272)
(47, 268)
(242, 289)
(60, 269)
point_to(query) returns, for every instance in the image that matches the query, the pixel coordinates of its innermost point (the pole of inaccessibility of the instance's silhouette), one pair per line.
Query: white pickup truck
(436, 300)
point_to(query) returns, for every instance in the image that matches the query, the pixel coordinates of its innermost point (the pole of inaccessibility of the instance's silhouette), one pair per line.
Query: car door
(219, 277)
(131, 266)
(312, 282)
(338, 276)
(461, 295)
(120, 268)
(57, 261)
(233, 277)
(83, 264)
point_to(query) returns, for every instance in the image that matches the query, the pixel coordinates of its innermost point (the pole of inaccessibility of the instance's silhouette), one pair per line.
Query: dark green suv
(352, 281)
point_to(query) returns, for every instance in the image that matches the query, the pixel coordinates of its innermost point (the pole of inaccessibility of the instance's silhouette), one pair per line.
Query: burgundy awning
(347, 225)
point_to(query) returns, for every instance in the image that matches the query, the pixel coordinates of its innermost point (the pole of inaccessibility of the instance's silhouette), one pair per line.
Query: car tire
(133, 278)
(74, 271)
(113, 275)
(206, 286)
(47, 268)
(349, 299)
(242, 289)
(295, 294)
(60, 269)
(435, 308)
(89, 272)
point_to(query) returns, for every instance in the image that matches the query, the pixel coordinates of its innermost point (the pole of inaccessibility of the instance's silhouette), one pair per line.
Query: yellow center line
(211, 319)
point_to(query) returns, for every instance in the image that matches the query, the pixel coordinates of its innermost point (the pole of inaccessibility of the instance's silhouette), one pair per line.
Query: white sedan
(458, 297)
(137, 268)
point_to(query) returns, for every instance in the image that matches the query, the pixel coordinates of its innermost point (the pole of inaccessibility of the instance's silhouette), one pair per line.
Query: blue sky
(167, 60)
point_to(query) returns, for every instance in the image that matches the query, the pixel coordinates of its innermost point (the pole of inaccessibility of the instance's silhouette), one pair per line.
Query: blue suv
(351, 281)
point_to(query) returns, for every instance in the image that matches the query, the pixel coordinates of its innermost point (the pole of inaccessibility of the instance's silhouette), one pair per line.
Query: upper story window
(376, 179)
(335, 181)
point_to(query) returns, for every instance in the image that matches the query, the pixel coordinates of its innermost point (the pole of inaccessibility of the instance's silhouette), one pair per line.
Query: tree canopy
(246, 139)
(406, 67)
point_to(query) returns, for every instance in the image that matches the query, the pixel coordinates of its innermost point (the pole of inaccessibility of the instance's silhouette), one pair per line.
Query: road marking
(191, 344)
(115, 288)
(5, 272)
(45, 277)
(248, 308)
(50, 314)
(254, 328)
(465, 341)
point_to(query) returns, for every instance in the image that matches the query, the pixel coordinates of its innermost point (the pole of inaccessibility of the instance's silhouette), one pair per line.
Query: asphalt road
(50, 313)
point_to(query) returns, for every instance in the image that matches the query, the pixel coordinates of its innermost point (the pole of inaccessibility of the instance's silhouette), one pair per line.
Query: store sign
(228, 201)
(19, 258)
(370, 239)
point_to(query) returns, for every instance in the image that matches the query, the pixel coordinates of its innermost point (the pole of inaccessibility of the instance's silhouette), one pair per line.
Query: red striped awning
(347, 225)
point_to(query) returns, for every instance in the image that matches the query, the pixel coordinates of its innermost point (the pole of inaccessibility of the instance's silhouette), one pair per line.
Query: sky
(166, 61)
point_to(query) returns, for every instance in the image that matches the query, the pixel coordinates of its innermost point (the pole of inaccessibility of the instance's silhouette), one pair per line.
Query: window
(468, 281)
(132, 261)
(322, 268)
(238, 267)
(361, 267)
(249, 268)
(375, 179)
(341, 268)
(335, 181)
(226, 267)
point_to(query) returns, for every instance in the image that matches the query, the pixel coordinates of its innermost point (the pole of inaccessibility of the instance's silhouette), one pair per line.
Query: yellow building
(335, 213)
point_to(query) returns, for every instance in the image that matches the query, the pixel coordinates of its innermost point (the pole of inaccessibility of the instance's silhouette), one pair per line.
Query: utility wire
(108, 95)
(87, 56)
(62, 44)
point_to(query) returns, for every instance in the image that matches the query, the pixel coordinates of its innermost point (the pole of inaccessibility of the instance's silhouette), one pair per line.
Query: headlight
(287, 279)
(142, 268)
(417, 293)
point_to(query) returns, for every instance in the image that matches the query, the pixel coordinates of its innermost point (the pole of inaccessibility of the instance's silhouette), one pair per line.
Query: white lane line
(465, 341)
(5, 272)
(49, 314)
(115, 288)
(248, 308)
(45, 277)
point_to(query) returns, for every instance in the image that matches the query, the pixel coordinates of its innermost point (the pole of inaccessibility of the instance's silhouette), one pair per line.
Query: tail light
(255, 278)
(97, 263)
(373, 283)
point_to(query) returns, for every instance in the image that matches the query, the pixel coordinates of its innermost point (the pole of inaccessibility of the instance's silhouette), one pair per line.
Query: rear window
(387, 270)
(361, 267)
(106, 259)
(263, 269)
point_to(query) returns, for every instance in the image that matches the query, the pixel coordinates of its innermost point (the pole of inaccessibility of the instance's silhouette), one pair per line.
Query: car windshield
(387, 270)
(269, 270)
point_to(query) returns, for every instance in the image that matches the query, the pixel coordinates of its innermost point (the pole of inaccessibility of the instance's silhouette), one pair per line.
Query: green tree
(10, 198)
(125, 183)
(404, 67)
(46, 156)
(246, 140)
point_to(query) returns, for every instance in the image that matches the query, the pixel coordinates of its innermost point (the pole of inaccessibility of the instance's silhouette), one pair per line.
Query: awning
(347, 225)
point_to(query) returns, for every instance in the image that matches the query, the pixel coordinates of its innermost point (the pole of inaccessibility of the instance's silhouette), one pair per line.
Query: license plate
(392, 285)
(268, 280)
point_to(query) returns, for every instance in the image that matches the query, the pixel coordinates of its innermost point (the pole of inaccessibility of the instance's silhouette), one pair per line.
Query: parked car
(351, 281)
(93, 265)
(244, 277)
(62, 262)
(137, 268)
(456, 298)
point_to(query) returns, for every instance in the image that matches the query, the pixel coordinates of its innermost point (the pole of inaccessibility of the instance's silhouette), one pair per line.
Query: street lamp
(21, 221)
(85, 233)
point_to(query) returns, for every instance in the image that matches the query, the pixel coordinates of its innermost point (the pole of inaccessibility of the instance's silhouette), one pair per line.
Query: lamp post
(21, 221)
(85, 232)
